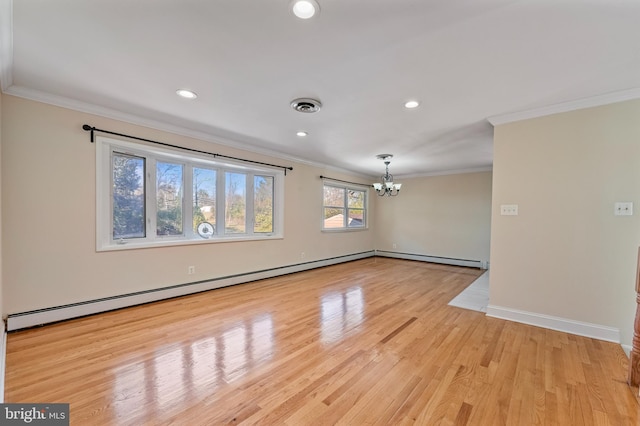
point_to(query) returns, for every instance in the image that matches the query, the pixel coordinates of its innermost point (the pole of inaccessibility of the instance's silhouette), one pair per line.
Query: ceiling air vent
(306, 105)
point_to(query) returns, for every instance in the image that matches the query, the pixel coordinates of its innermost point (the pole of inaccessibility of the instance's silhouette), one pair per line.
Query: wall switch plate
(509, 209)
(623, 208)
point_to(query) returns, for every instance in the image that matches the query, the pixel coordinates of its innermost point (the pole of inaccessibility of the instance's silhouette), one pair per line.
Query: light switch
(623, 208)
(509, 209)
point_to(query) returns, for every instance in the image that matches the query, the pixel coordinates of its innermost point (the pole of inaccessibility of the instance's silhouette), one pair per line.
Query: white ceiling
(465, 60)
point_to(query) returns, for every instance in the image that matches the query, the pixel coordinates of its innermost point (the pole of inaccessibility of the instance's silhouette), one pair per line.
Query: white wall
(445, 216)
(566, 255)
(48, 200)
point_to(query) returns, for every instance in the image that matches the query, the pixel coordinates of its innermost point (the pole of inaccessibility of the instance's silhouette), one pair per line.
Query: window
(204, 197)
(128, 196)
(344, 207)
(235, 214)
(169, 182)
(149, 196)
(263, 204)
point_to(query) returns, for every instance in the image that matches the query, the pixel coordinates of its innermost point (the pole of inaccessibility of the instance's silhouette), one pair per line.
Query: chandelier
(386, 185)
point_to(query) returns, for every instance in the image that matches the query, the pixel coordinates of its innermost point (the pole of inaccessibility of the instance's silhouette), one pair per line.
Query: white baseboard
(21, 320)
(579, 328)
(434, 259)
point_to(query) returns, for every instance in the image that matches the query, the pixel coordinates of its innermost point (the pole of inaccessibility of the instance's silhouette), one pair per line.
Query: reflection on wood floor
(365, 342)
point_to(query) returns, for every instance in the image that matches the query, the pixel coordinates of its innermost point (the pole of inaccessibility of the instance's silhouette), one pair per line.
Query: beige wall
(566, 255)
(445, 216)
(48, 199)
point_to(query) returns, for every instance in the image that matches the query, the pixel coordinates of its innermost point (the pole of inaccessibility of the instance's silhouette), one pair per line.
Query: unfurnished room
(320, 212)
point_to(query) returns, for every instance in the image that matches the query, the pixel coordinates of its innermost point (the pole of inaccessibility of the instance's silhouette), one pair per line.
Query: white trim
(627, 349)
(595, 331)
(59, 313)
(594, 101)
(431, 259)
(3, 360)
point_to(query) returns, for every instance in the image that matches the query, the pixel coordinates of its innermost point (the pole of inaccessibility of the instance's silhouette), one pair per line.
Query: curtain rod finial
(86, 127)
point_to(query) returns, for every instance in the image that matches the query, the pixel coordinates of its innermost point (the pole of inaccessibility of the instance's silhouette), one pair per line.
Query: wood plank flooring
(370, 342)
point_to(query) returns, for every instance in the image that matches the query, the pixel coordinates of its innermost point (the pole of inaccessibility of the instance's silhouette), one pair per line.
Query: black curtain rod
(88, 128)
(344, 181)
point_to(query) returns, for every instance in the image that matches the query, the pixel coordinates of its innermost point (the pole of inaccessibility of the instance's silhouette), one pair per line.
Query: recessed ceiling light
(411, 104)
(302, 134)
(305, 9)
(187, 94)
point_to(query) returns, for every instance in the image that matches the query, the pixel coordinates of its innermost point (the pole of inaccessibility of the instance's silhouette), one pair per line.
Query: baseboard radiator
(38, 317)
(434, 259)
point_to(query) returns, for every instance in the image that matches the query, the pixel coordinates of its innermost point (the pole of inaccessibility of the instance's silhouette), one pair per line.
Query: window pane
(235, 203)
(204, 197)
(263, 204)
(333, 217)
(356, 218)
(356, 199)
(333, 197)
(169, 198)
(128, 196)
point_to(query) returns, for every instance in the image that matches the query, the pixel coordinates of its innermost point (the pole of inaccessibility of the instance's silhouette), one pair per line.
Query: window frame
(345, 207)
(104, 196)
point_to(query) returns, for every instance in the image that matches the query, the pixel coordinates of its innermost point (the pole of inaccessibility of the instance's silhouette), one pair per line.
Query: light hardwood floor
(366, 342)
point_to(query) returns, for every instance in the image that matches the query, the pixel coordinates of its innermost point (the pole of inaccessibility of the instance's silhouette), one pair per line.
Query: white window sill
(345, 230)
(132, 244)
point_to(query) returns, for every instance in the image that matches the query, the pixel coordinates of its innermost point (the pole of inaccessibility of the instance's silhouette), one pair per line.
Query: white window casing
(105, 149)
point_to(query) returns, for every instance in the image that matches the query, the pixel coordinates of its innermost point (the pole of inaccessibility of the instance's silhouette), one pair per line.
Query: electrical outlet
(302, 255)
(509, 209)
(395, 246)
(191, 270)
(623, 209)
